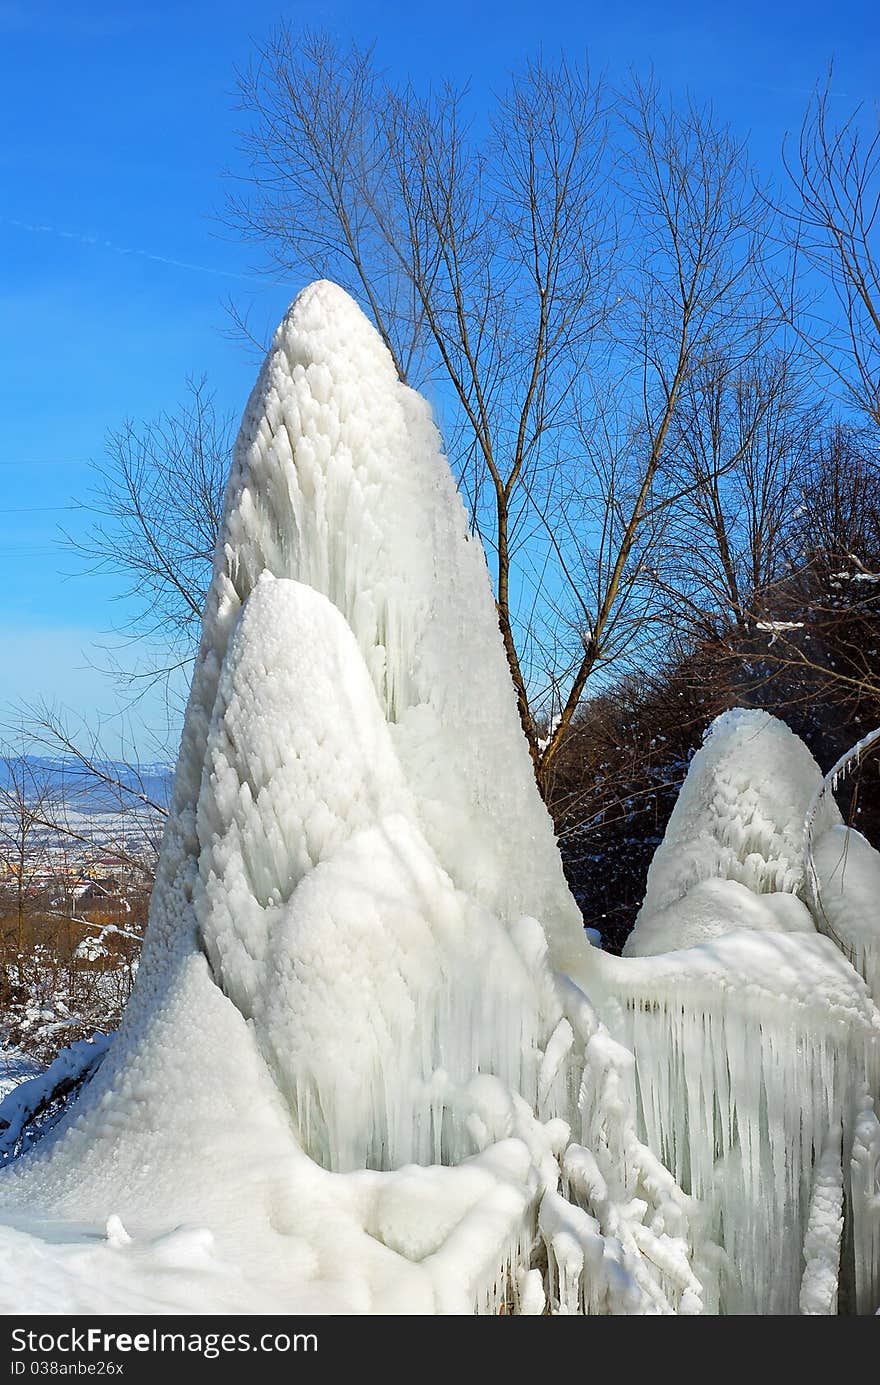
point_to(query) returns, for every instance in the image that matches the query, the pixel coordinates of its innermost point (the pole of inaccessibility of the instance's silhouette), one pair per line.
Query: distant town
(76, 871)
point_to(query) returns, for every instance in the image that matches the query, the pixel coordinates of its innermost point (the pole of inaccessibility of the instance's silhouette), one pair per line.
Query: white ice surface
(326, 915)
(15, 1067)
(711, 908)
(848, 907)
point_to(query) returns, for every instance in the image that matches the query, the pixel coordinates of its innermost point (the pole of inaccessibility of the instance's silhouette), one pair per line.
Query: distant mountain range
(85, 791)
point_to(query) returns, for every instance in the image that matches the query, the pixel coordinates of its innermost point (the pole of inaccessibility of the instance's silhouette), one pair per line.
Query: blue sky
(117, 121)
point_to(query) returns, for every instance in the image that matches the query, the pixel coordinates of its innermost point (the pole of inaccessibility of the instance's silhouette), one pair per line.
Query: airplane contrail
(99, 243)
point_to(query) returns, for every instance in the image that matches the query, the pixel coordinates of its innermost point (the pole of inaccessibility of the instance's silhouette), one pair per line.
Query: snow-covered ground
(372, 1064)
(15, 1067)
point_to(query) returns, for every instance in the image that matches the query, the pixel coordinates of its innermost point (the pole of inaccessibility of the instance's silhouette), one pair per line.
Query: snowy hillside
(372, 1064)
(86, 793)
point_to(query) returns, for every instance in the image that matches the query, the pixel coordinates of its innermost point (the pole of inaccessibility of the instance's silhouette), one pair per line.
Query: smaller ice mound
(740, 813)
(848, 899)
(843, 871)
(754, 1038)
(709, 910)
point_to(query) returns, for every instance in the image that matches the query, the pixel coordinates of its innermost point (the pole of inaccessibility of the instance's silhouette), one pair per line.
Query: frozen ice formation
(754, 1037)
(372, 1064)
(740, 814)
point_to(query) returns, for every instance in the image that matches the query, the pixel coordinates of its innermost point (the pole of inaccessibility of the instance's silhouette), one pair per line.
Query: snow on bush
(371, 1063)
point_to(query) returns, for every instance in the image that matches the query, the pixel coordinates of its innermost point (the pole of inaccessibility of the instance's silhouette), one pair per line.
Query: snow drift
(371, 1063)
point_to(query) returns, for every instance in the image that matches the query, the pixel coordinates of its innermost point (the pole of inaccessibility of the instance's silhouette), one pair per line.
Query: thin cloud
(99, 243)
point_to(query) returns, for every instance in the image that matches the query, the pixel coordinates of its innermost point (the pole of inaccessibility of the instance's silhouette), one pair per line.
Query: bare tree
(156, 507)
(553, 288)
(484, 262)
(691, 295)
(784, 581)
(25, 809)
(743, 447)
(559, 273)
(156, 510)
(824, 615)
(834, 173)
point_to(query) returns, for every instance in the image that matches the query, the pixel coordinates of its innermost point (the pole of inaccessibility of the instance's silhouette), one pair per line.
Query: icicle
(819, 1285)
(865, 1198)
(745, 1053)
